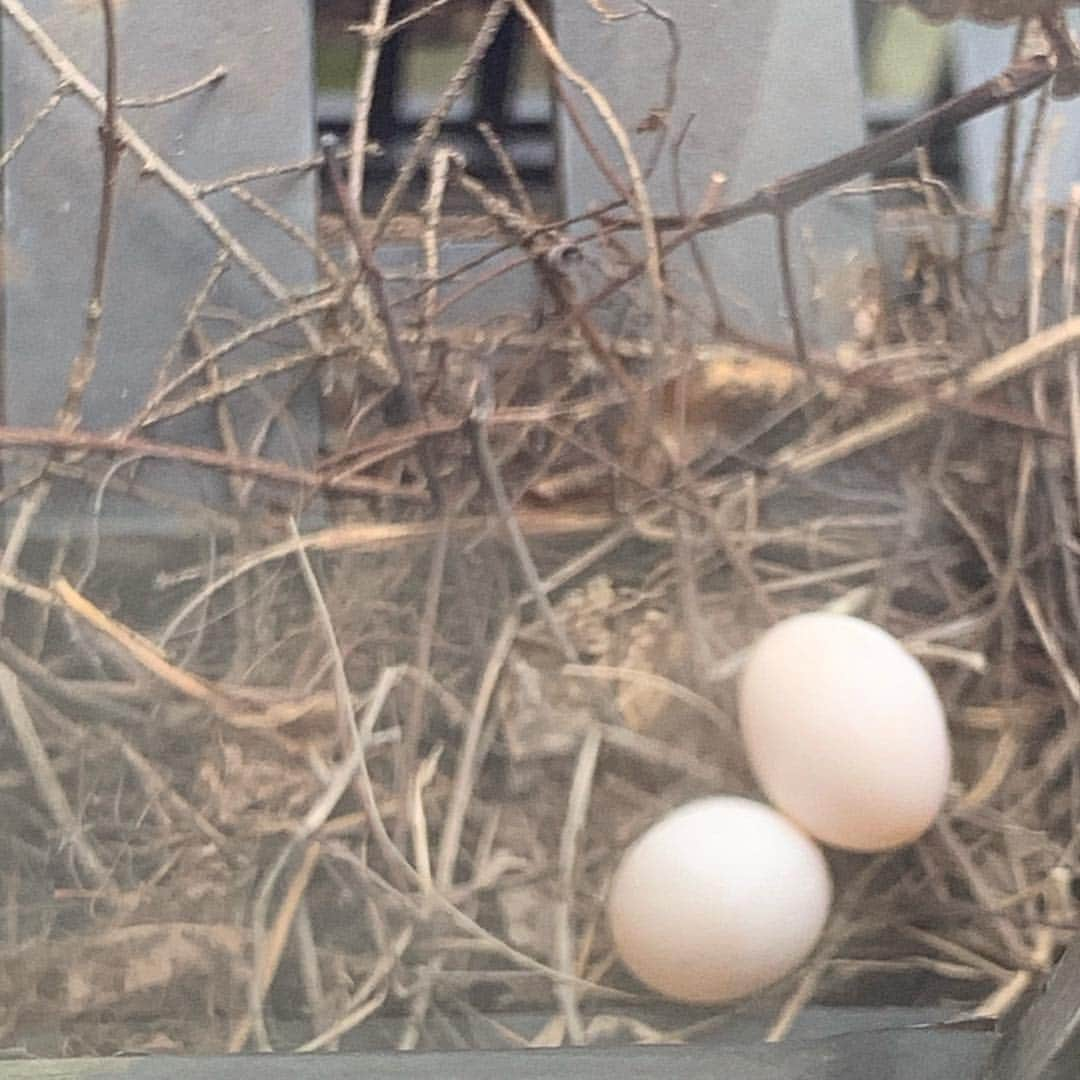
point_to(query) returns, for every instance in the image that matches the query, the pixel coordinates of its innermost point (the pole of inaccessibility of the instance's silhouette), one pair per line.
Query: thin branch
(642, 199)
(577, 811)
(263, 172)
(82, 369)
(468, 763)
(489, 469)
(790, 192)
(54, 99)
(373, 280)
(211, 78)
(413, 729)
(372, 34)
(791, 296)
(1039, 349)
(151, 410)
(85, 442)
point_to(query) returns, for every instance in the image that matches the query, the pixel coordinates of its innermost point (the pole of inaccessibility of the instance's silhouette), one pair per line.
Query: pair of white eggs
(846, 736)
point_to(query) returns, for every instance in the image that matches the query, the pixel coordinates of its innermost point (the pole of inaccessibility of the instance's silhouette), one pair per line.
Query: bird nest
(351, 762)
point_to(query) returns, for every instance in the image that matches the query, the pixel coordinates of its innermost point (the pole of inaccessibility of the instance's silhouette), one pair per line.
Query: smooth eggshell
(717, 900)
(844, 731)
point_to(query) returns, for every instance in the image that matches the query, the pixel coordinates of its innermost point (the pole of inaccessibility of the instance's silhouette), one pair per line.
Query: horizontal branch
(259, 468)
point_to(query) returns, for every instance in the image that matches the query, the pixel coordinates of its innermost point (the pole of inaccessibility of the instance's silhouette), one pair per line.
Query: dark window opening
(510, 91)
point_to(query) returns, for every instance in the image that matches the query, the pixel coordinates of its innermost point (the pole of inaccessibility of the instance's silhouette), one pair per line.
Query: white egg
(844, 731)
(717, 900)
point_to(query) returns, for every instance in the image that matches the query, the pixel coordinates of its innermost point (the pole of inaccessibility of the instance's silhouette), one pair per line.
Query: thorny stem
(212, 78)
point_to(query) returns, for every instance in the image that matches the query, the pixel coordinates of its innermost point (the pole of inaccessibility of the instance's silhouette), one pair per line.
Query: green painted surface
(906, 56)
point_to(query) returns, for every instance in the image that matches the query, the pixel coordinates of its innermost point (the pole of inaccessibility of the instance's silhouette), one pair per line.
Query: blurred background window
(905, 61)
